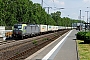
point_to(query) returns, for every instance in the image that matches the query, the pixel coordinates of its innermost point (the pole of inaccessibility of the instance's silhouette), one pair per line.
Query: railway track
(6, 42)
(19, 50)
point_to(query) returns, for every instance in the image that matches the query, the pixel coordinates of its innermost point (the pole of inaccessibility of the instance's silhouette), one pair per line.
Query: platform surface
(64, 48)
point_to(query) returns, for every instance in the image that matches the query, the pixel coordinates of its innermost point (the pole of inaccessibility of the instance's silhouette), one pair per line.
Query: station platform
(63, 48)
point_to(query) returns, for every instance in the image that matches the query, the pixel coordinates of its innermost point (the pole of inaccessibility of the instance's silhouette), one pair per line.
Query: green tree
(18, 11)
(56, 17)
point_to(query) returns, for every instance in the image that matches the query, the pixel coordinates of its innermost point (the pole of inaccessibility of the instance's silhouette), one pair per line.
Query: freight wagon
(49, 28)
(25, 30)
(61, 27)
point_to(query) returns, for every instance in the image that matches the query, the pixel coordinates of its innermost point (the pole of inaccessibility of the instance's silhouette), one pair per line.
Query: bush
(81, 35)
(87, 36)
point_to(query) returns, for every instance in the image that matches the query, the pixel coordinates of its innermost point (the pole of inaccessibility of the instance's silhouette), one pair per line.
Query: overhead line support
(48, 8)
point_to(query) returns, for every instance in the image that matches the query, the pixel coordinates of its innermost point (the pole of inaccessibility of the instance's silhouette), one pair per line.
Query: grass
(34, 42)
(84, 50)
(45, 39)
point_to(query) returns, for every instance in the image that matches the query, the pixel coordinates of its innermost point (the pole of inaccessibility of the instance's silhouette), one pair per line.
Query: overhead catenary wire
(80, 7)
(53, 3)
(54, 7)
(49, 5)
(65, 8)
(46, 3)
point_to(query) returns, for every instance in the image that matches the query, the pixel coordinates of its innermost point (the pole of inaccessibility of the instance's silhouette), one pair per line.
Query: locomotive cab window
(18, 26)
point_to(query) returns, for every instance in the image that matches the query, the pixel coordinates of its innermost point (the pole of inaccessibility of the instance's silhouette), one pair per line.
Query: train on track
(27, 30)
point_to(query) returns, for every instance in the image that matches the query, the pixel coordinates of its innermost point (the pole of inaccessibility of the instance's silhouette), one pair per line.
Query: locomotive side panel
(33, 29)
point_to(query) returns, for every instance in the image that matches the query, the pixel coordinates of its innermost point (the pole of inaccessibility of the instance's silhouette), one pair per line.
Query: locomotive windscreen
(18, 26)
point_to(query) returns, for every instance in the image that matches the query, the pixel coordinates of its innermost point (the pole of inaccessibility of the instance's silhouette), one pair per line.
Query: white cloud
(62, 3)
(74, 13)
(86, 0)
(57, 2)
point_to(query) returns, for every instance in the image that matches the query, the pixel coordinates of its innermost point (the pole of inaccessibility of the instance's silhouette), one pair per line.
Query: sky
(71, 7)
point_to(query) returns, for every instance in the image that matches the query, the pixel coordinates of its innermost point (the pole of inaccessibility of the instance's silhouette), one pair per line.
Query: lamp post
(58, 9)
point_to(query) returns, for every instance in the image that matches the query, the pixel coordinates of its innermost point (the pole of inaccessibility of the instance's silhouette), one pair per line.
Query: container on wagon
(49, 28)
(43, 28)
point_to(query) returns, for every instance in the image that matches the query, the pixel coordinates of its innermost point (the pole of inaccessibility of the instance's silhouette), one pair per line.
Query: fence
(2, 31)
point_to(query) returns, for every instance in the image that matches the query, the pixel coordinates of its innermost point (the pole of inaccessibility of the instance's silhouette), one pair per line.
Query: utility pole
(42, 3)
(48, 8)
(80, 20)
(48, 11)
(87, 18)
(80, 14)
(83, 17)
(87, 15)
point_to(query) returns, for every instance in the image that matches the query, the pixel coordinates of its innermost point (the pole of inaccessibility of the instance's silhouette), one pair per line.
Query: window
(17, 26)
